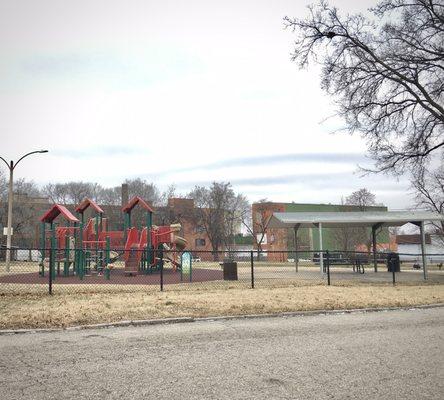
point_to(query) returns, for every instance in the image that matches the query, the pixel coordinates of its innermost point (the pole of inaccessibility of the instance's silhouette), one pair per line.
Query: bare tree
(57, 193)
(428, 188)
(146, 190)
(111, 196)
(386, 75)
(211, 209)
(171, 191)
(233, 219)
(345, 238)
(3, 186)
(24, 211)
(362, 199)
(72, 193)
(256, 225)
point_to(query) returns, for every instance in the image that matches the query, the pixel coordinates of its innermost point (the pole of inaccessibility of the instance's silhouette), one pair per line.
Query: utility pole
(11, 166)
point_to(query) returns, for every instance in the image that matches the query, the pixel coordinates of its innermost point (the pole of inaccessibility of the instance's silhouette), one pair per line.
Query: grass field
(278, 288)
(61, 310)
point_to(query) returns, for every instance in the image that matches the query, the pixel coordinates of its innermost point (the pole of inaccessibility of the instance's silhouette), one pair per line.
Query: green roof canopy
(351, 219)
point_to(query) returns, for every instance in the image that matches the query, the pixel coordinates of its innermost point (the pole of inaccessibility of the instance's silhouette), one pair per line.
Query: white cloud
(154, 88)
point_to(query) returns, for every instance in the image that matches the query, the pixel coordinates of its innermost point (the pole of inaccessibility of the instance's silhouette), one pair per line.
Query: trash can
(230, 270)
(393, 264)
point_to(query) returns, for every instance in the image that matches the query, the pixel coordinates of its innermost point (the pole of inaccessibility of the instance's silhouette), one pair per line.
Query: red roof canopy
(88, 203)
(133, 202)
(55, 211)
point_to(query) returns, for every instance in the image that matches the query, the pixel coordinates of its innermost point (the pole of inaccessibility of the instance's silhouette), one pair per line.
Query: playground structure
(84, 247)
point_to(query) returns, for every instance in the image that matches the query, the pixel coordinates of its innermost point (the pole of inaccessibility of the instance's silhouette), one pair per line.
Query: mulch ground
(117, 277)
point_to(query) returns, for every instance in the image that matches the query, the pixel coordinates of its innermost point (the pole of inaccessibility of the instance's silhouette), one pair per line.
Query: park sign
(186, 266)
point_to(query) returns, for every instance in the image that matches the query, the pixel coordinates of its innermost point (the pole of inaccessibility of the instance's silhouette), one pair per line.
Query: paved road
(386, 355)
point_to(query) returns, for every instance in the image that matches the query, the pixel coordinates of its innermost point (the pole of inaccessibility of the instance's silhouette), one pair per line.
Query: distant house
(241, 248)
(409, 247)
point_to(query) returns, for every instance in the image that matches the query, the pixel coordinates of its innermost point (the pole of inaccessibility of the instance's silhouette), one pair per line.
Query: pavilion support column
(423, 250)
(375, 261)
(321, 249)
(374, 244)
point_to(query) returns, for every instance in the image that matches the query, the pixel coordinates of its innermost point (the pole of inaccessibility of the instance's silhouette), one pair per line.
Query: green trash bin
(230, 270)
(393, 263)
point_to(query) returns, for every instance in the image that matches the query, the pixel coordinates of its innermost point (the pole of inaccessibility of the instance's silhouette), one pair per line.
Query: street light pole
(11, 166)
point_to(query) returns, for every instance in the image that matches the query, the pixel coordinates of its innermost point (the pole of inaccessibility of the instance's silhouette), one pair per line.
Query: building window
(199, 229)
(199, 242)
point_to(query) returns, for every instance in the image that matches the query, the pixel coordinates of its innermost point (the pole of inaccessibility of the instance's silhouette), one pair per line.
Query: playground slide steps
(132, 264)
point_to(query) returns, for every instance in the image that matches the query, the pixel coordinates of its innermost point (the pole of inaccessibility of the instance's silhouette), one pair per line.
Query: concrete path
(385, 355)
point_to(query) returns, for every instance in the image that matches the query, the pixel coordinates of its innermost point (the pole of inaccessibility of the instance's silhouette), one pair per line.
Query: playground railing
(95, 269)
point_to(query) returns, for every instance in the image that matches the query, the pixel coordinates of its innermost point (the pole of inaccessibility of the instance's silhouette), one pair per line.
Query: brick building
(182, 210)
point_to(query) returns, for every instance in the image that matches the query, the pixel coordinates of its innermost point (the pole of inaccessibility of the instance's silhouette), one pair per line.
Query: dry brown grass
(61, 310)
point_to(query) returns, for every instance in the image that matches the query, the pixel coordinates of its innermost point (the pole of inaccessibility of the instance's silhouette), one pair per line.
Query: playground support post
(51, 260)
(52, 252)
(43, 246)
(50, 273)
(126, 224)
(252, 268)
(67, 256)
(107, 250)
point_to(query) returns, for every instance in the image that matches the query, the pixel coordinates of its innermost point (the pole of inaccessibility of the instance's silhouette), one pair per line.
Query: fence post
(50, 272)
(328, 267)
(393, 275)
(161, 269)
(252, 268)
(161, 277)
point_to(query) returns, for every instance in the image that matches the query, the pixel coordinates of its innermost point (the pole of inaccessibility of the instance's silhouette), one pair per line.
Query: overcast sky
(182, 92)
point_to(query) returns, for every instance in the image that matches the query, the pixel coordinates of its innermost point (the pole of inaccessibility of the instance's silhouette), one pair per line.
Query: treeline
(75, 191)
(219, 211)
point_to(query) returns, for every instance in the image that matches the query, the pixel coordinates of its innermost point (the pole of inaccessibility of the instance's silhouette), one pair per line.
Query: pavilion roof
(350, 219)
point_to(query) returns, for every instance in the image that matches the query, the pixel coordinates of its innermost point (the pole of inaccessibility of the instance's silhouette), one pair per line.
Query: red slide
(132, 252)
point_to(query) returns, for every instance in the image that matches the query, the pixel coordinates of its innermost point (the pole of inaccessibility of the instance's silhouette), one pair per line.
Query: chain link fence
(95, 270)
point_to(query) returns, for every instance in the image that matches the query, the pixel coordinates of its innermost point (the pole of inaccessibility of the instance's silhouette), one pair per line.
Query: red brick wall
(184, 210)
(276, 238)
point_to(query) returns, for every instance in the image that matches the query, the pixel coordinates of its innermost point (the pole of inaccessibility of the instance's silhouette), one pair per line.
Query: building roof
(55, 211)
(412, 239)
(88, 203)
(350, 219)
(133, 202)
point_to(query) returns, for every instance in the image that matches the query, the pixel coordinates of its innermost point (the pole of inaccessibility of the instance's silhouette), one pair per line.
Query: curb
(165, 321)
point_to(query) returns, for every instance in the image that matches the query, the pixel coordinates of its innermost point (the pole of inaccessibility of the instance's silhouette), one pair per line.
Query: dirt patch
(59, 310)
